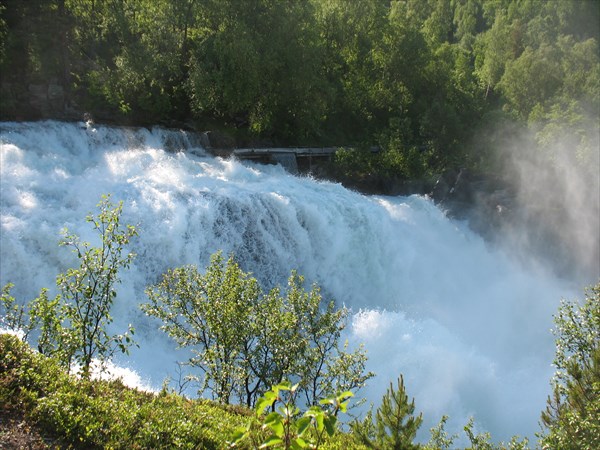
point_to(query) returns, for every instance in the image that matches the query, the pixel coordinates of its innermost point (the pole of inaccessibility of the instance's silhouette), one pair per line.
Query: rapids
(468, 326)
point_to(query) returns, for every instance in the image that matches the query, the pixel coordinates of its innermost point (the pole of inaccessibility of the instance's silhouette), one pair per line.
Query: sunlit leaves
(88, 292)
(73, 326)
(286, 426)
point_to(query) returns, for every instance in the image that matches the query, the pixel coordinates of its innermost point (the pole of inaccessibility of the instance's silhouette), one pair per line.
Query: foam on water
(466, 325)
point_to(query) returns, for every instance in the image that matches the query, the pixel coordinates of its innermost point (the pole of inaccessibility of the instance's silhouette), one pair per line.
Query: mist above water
(553, 214)
(467, 324)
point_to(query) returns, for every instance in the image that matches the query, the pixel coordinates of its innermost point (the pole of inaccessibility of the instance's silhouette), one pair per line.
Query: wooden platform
(293, 159)
(249, 153)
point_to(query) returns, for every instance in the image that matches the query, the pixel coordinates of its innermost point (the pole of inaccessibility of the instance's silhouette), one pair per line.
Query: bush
(246, 341)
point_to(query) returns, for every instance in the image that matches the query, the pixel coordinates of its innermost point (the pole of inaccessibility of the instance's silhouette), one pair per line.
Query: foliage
(245, 341)
(439, 436)
(572, 417)
(14, 315)
(73, 326)
(104, 414)
(212, 314)
(403, 75)
(440, 439)
(286, 426)
(395, 426)
(88, 292)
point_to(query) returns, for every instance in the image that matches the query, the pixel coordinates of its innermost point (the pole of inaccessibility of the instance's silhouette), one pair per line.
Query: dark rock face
(56, 97)
(485, 201)
(36, 101)
(38, 98)
(219, 140)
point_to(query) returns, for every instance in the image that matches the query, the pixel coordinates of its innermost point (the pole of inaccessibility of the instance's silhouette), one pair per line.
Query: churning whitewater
(468, 327)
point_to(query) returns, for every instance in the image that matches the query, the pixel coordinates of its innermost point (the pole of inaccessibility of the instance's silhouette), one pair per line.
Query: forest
(422, 81)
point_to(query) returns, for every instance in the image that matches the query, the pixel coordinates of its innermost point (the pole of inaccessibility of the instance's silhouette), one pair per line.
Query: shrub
(245, 341)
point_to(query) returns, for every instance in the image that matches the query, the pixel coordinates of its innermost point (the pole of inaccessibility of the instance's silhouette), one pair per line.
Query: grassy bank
(42, 406)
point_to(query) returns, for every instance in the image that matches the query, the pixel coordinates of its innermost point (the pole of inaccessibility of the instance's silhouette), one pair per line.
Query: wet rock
(56, 97)
(485, 201)
(220, 140)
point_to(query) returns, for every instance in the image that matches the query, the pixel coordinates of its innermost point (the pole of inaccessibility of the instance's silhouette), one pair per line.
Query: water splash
(466, 325)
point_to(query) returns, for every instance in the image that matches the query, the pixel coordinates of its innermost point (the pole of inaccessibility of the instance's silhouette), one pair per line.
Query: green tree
(572, 417)
(468, 21)
(132, 57)
(531, 79)
(257, 66)
(14, 315)
(246, 341)
(88, 291)
(492, 51)
(211, 314)
(38, 318)
(350, 33)
(395, 426)
(440, 439)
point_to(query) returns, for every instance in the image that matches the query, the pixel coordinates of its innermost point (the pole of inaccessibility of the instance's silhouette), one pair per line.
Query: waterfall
(468, 326)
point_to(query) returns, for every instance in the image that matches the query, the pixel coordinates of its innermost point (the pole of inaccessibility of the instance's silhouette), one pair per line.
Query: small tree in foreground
(88, 292)
(212, 314)
(440, 439)
(73, 325)
(285, 426)
(395, 426)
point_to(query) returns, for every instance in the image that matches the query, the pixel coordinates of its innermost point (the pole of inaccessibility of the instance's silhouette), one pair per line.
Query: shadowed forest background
(418, 78)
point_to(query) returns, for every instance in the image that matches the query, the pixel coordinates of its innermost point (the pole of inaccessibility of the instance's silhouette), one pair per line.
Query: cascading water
(467, 326)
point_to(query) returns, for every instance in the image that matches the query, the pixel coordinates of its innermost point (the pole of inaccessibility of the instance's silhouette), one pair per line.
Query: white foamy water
(467, 326)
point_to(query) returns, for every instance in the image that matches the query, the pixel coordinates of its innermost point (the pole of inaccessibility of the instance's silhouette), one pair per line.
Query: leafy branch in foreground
(286, 426)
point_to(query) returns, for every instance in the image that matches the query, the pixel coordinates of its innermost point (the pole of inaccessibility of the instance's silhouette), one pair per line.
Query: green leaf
(344, 396)
(313, 411)
(316, 413)
(302, 425)
(265, 402)
(239, 434)
(329, 423)
(299, 443)
(273, 421)
(283, 386)
(271, 441)
(327, 401)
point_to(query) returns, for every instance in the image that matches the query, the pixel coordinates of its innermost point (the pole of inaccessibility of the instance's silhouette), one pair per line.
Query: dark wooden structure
(293, 159)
